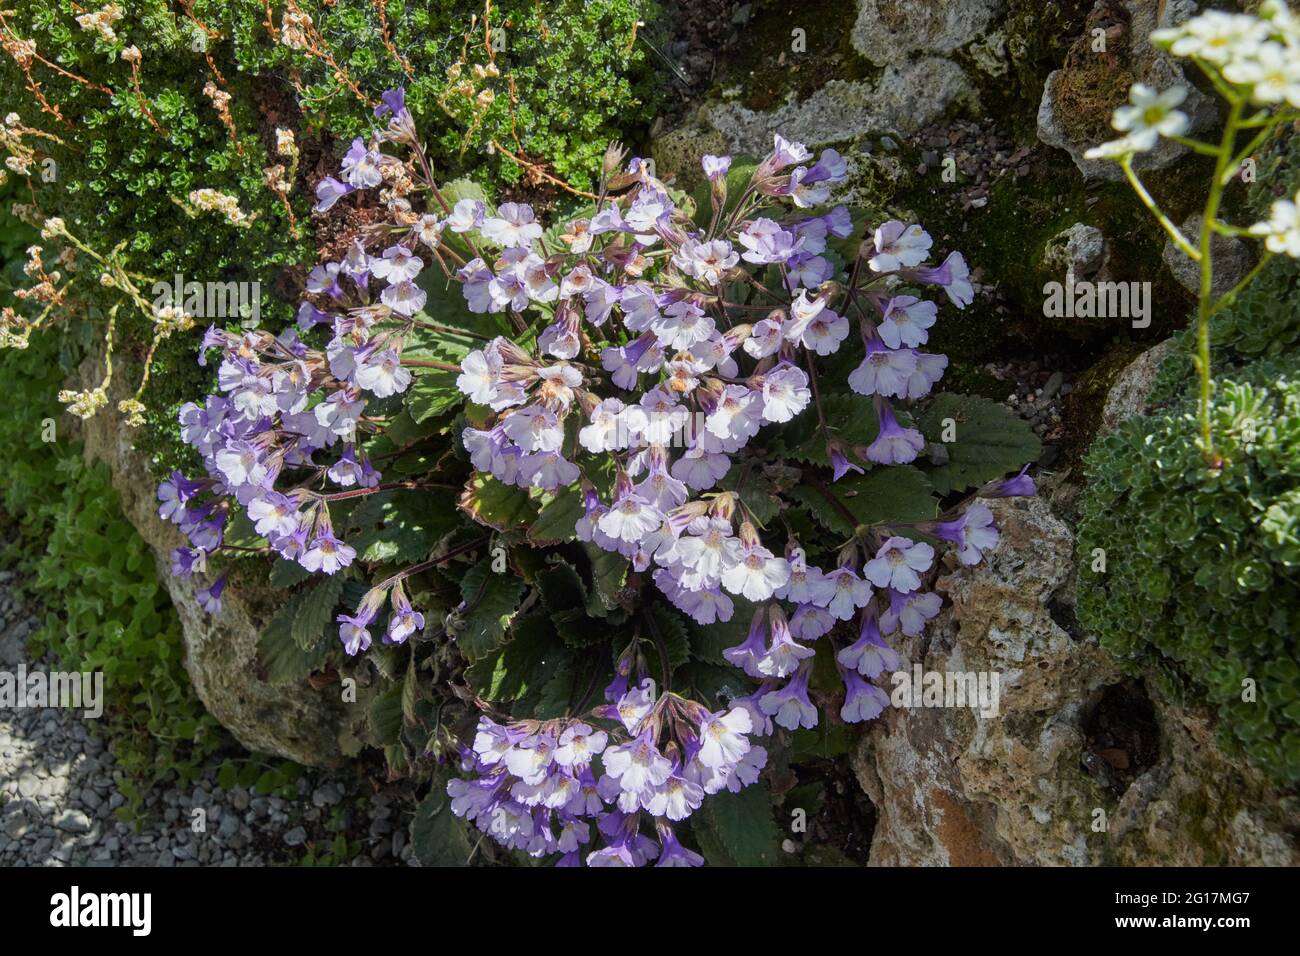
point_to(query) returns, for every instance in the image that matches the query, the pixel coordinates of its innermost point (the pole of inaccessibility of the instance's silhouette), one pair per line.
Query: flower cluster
(1251, 59)
(538, 783)
(1253, 63)
(663, 347)
(673, 409)
(283, 439)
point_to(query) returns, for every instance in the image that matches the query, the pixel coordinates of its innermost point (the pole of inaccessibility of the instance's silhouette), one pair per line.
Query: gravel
(60, 790)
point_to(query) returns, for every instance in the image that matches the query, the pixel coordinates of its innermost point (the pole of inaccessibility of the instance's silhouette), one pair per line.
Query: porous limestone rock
(292, 721)
(1230, 257)
(1128, 393)
(892, 31)
(907, 97)
(1148, 65)
(1080, 249)
(952, 787)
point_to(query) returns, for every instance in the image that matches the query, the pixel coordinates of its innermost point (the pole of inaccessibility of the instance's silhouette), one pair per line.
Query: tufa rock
(1035, 785)
(292, 721)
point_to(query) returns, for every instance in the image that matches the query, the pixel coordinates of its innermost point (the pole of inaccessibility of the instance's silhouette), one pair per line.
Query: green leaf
(433, 390)
(708, 641)
(438, 836)
(523, 664)
(491, 600)
(824, 742)
(670, 629)
(738, 177)
(991, 440)
(739, 827)
(850, 417)
(384, 716)
(565, 597)
(557, 519)
(608, 574)
(757, 494)
(497, 505)
(285, 662)
(900, 493)
(316, 612)
(285, 574)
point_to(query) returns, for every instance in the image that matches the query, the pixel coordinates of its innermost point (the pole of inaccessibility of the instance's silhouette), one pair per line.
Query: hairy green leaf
(991, 440)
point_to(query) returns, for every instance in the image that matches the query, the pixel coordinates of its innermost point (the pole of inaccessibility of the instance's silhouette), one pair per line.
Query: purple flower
(884, 371)
(811, 622)
(899, 564)
(894, 445)
(954, 278)
(906, 321)
(405, 620)
(765, 241)
(869, 655)
(273, 514)
(327, 554)
(790, 706)
(185, 561)
(630, 518)
(671, 852)
(1020, 485)
(862, 701)
(329, 191)
(209, 598)
(361, 166)
(840, 464)
(715, 167)
(784, 655)
(401, 126)
(910, 612)
(846, 592)
(973, 533)
(899, 246)
(174, 492)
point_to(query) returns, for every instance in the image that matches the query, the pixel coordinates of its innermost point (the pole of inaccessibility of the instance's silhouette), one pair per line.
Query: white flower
(883, 372)
(663, 417)
(630, 519)
(736, 415)
(512, 226)
(1151, 114)
(899, 564)
(785, 393)
(607, 431)
(1116, 149)
(1214, 36)
(1272, 71)
(757, 575)
(722, 740)
(764, 339)
(405, 297)
(899, 246)
(383, 374)
(705, 555)
(824, 334)
(682, 325)
(706, 260)
(398, 263)
(637, 764)
(467, 214)
(676, 799)
(534, 428)
(1282, 228)
(906, 320)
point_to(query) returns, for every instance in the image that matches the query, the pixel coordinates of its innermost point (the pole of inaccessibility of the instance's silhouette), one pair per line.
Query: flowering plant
(639, 396)
(1254, 64)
